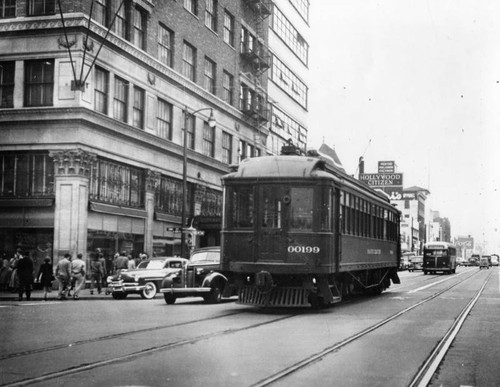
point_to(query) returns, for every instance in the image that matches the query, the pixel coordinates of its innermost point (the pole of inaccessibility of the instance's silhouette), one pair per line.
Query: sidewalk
(37, 295)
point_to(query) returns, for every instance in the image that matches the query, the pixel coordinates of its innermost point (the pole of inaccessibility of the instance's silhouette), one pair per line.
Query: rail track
(424, 373)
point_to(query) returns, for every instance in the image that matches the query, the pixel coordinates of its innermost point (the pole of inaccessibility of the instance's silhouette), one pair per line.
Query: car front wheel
(149, 291)
(169, 298)
(215, 295)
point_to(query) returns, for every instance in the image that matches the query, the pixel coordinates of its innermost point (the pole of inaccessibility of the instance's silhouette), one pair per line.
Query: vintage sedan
(145, 279)
(199, 278)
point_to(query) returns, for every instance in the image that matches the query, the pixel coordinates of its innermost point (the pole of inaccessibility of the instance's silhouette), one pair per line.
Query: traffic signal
(190, 239)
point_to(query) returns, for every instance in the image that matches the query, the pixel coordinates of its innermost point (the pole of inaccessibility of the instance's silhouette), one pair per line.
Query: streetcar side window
(241, 207)
(325, 209)
(301, 208)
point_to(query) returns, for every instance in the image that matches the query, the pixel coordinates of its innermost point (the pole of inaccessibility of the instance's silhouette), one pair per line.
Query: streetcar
(298, 231)
(440, 257)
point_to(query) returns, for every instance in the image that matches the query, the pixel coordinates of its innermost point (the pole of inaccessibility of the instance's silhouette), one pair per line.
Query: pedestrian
(131, 263)
(5, 274)
(14, 279)
(121, 262)
(25, 275)
(45, 277)
(96, 273)
(104, 268)
(63, 275)
(78, 273)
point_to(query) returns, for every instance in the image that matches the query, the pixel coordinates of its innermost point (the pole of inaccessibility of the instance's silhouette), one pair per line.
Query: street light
(211, 123)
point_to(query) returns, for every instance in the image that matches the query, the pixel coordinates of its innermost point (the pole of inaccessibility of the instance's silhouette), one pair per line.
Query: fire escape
(256, 61)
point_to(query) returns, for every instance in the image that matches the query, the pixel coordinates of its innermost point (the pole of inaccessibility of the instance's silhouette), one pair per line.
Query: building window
(41, 7)
(289, 82)
(120, 102)
(165, 45)
(101, 90)
(287, 32)
(227, 148)
(208, 140)
(117, 184)
(209, 75)
(100, 14)
(228, 28)
(189, 61)
(138, 108)
(7, 9)
(139, 28)
(39, 83)
(210, 201)
(164, 120)
(7, 70)
(169, 196)
(26, 175)
(227, 88)
(302, 7)
(190, 126)
(191, 6)
(211, 14)
(121, 21)
(286, 127)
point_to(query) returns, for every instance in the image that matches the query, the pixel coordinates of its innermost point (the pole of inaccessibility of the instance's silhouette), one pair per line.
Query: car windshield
(206, 256)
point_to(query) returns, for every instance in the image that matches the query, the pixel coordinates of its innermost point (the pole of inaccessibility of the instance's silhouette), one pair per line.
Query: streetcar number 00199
(303, 249)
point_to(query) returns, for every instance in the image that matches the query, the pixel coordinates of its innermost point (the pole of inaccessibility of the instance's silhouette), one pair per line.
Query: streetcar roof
(290, 166)
(274, 166)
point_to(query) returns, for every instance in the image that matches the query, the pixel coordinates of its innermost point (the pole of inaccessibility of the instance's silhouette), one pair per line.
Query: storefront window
(117, 184)
(26, 175)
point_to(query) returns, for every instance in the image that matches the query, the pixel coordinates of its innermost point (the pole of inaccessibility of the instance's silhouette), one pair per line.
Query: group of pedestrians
(17, 274)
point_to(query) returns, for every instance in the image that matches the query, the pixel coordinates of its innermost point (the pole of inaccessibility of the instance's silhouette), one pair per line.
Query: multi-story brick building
(93, 112)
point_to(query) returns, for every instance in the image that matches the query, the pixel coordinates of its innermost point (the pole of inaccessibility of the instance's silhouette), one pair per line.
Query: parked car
(199, 278)
(416, 263)
(484, 262)
(145, 279)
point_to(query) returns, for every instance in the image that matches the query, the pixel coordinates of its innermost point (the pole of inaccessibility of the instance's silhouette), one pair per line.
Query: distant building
(413, 221)
(440, 229)
(94, 110)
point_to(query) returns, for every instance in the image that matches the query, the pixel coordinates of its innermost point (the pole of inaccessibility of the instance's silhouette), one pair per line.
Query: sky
(416, 82)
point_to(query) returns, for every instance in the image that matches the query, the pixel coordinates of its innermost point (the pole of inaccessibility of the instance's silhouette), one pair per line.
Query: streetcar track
(335, 347)
(143, 352)
(111, 337)
(428, 369)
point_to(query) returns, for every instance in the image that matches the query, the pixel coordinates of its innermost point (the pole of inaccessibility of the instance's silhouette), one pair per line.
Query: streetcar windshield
(240, 205)
(301, 208)
(279, 206)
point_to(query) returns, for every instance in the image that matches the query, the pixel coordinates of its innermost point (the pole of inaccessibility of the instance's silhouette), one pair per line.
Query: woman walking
(46, 276)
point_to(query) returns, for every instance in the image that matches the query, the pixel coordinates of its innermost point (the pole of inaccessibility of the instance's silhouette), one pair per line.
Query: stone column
(152, 184)
(71, 187)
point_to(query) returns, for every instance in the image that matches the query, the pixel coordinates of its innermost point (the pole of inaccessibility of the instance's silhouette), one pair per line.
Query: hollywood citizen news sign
(382, 179)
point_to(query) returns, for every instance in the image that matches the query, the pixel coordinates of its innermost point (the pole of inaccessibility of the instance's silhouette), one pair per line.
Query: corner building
(95, 99)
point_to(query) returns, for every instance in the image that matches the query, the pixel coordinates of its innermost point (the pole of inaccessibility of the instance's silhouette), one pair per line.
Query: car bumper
(124, 287)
